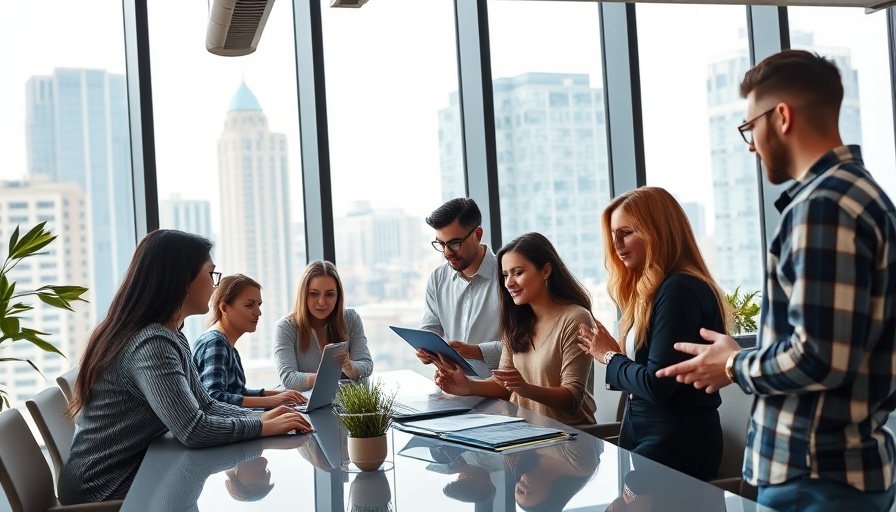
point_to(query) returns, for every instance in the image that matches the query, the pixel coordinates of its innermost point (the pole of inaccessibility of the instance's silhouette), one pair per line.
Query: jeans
(806, 494)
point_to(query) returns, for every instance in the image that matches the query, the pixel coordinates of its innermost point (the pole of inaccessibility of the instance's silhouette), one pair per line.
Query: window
(230, 170)
(691, 110)
(552, 163)
(395, 155)
(68, 92)
(858, 44)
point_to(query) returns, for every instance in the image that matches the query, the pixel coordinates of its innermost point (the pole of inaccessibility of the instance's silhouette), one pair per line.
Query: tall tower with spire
(255, 216)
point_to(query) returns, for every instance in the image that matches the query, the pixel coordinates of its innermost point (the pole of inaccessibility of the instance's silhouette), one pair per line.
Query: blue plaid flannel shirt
(823, 374)
(221, 369)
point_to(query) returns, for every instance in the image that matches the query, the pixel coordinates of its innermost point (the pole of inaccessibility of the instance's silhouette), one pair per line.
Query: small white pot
(368, 453)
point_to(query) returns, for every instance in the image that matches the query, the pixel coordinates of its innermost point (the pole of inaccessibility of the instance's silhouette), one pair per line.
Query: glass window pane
(551, 133)
(858, 44)
(394, 139)
(69, 166)
(229, 166)
(692, 107)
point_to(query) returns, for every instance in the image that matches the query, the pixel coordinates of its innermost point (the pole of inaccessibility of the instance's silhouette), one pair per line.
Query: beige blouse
(558, 361)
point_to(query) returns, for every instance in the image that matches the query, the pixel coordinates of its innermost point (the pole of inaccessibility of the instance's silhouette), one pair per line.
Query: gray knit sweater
(151, 387)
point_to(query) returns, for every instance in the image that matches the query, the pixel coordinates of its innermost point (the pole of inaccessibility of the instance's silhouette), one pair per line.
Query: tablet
(432, 342)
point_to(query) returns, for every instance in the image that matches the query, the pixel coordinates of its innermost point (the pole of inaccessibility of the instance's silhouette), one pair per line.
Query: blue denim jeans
(806, 494)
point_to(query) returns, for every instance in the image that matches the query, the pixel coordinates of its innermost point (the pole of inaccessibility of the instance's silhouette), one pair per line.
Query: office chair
(66, 383)
(48, 410)
(24, 473)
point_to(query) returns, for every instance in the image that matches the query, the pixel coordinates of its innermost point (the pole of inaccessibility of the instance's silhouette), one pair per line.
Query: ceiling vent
(347, 3)
(235, 26)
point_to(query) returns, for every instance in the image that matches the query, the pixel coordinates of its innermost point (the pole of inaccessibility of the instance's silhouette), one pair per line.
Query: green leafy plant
(12, 305)
(744, 310)
(364, 408)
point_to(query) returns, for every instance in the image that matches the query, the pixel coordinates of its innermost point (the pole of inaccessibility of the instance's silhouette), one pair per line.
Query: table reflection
(651, 487)
(181, 473)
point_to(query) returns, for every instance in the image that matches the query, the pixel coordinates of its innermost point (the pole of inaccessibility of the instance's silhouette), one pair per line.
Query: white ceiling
(868, 5)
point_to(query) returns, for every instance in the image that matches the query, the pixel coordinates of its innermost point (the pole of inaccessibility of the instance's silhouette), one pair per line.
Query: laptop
(327, 383)
(435, 404)
(433, 343)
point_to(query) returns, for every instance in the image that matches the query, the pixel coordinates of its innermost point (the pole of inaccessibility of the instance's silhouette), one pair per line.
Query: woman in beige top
(541, 306)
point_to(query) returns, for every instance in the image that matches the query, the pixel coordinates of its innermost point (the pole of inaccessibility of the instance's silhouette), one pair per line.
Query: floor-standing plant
(13, 302)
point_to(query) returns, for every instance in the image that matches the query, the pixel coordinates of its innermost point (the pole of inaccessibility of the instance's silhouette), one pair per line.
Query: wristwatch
(608, 356)
(729, 366)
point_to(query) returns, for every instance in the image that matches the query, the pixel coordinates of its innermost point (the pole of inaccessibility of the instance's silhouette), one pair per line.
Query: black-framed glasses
(216, 278)
(746, 129)
(454, 245)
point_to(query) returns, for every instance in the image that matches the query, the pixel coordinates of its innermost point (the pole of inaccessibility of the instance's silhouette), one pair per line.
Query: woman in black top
(661, 285)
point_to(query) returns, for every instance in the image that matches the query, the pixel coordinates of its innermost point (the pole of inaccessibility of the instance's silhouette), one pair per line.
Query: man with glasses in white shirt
(462, 294)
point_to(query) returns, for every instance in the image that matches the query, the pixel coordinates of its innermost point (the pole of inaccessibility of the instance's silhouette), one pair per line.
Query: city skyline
(383, 132)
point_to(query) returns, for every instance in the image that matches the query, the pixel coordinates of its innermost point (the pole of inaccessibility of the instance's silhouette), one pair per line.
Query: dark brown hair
(462, 209)
(799, 76)
(152, 291)
(227, 292)
(518, 322)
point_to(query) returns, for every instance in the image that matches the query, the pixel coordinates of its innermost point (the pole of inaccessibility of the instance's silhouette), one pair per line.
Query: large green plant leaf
(56, 296)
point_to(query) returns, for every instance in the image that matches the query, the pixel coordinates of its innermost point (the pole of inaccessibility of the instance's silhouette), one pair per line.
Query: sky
(390, 68)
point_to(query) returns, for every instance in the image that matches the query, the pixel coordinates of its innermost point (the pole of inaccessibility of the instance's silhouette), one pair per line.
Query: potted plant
(365, 410)
(12, 305)
(743, 311)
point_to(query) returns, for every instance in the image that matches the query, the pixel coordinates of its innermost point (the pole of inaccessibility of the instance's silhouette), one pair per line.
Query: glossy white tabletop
(312, 473)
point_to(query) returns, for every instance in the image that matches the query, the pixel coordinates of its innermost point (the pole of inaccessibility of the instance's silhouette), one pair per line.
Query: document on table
(490, 431)
(461, 422)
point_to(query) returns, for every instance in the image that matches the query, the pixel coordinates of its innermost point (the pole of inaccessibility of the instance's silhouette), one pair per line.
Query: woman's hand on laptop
(346, 365)
(466, 350)
(291, 397)
(283, 420)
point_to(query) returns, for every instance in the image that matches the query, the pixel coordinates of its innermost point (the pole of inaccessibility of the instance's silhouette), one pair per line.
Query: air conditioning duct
(235, 26)
(347, 3)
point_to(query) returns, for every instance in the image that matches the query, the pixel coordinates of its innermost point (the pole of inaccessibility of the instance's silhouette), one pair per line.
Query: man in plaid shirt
(824, 375)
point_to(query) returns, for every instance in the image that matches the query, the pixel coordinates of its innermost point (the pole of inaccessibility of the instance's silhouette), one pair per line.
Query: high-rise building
(77, 132)
(192, 216)
(255, 216)
(737, 236)
(65, 261)
(383, 254)
(552, 163)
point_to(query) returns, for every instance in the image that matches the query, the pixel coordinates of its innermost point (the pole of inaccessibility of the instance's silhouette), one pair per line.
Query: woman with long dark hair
(541, 307)
(319, 319)
(665, 293)
(137, 381)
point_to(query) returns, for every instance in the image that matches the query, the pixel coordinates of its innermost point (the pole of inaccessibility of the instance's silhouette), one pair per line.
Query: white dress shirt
(461, 309)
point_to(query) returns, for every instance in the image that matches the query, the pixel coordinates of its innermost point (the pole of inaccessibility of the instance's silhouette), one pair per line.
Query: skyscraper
(737, 236)
(77, 132)
(255, 216)
(383, 254)
(552, 163)
(64, 262)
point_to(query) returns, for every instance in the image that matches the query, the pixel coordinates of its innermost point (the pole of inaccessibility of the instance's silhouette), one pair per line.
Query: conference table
(312, 473)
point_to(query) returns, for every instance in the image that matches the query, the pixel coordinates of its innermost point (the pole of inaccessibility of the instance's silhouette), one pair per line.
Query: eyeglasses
(216, 278)
(619, 235)
(453, 245)
(746, 129)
